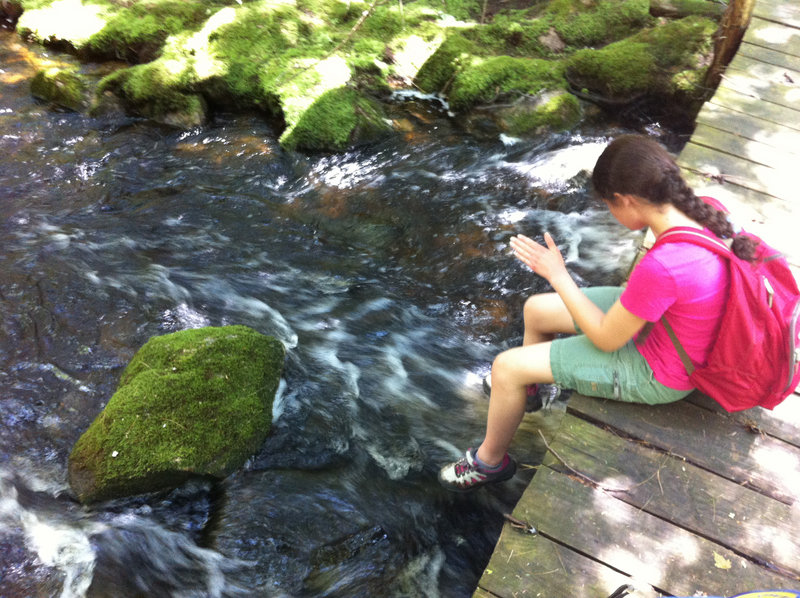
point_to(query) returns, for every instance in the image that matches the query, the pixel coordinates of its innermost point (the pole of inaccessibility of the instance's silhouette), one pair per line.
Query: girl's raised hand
(547, 262)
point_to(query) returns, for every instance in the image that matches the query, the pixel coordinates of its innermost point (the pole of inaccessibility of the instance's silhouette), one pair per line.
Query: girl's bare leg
(545, 315)
(512, 370)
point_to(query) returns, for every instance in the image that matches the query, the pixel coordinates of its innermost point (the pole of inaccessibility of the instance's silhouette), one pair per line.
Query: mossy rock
(582, 23)
(62, 87)
(153, 91)
(339, 118)
(192, 403)
(646, 63)
(502, 77)
(552, 111)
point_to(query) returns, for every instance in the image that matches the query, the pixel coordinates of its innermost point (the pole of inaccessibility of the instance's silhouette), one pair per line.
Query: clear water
(384, 270)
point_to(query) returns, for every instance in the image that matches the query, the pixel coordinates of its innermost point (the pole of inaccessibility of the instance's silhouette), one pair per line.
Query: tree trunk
(728, 37)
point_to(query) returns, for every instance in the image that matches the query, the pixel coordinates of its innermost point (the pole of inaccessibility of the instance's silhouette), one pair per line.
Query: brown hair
(640, 166)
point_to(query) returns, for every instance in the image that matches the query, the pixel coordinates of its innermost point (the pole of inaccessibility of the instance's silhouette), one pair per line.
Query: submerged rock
(192, 403)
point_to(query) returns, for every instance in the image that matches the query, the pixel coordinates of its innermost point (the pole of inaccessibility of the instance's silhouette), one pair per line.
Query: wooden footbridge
(684, 499)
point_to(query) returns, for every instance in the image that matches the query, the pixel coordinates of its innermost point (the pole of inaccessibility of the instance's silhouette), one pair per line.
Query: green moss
(646, 62)
(337, 118)
(464, 10)
(608, 20)
(561, 111)
(705, 8)
(438, 72)
(196, 402)
(157, 92)
(506, 35)
(62, 87)
(617, 70)
(499, 76)
(138, 31)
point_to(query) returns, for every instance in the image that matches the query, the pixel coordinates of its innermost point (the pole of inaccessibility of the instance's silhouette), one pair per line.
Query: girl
(642, 187)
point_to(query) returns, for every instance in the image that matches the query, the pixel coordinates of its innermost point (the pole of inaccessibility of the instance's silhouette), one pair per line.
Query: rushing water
(385, 272)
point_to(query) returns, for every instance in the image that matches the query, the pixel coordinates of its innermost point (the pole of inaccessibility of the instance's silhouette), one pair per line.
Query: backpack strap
(685, 359)
(698, 237)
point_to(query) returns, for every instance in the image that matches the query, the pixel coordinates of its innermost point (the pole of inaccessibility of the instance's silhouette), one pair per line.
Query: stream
(384, 270)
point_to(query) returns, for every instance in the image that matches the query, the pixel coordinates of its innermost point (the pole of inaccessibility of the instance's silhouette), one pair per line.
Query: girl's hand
(547, 262)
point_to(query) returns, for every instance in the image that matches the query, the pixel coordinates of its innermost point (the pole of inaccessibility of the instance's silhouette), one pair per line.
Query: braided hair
(640, 166)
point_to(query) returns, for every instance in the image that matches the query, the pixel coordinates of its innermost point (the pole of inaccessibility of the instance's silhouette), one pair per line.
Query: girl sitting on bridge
(643, 188)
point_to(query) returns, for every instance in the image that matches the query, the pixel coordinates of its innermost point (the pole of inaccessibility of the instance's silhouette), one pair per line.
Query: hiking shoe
(466, 474)
(544, 396)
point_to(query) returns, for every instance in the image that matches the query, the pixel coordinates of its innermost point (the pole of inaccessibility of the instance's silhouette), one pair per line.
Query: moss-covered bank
(322, 68)
(192, 403)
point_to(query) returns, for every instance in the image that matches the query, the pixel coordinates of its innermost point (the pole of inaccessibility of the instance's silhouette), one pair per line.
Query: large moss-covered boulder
(339, 118)
(667, 61)
(192, 403)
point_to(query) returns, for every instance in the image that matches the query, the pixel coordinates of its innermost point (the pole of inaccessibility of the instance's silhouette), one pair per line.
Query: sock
(485, 467)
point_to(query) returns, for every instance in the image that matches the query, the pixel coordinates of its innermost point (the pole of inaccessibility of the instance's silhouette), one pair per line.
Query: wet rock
(62, 87)
(321, 543)
(552, 41)
(192, 403)
(554, 110)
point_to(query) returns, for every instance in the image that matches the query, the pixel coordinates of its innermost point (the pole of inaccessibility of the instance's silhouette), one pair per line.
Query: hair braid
(640, 166)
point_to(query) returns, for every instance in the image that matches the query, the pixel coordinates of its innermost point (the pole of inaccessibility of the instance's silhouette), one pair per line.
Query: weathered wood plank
(705, 439)
(741, 147)
(679, 492)
(753, 107)
(781, 11)
(774, 57)
(715, 162)
(777, 36)
(527, 565)
(766, 71)
(783, 422)
(763, 82)
(636, 543)
(774, 135)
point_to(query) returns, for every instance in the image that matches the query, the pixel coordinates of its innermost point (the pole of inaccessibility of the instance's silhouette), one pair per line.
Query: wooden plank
(767, 132)
(741, 147)
(753, 107)
(527, 565)
(677, 491)
(708, 161)
(783, 422)
(781, 11)
(763, 62)
(705, 439)
(763, 82)
(636, 543)
(776, 36)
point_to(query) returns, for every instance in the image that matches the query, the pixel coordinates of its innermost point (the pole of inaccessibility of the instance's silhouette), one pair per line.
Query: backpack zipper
(794, 349)
(770, 291)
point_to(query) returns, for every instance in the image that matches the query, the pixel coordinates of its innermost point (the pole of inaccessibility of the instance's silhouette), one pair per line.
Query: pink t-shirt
(690, 285)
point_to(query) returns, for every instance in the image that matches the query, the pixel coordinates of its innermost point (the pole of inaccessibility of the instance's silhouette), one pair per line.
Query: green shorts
(623, 375)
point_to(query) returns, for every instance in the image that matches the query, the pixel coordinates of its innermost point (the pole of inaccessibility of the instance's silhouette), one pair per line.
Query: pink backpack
(755, 360)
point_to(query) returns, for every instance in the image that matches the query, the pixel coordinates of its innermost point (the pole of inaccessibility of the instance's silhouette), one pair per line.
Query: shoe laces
(466, 465)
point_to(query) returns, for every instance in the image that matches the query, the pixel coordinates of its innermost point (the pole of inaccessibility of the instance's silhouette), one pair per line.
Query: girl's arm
(607, 331)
